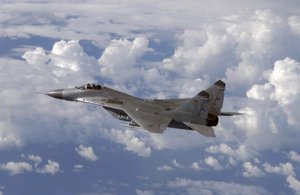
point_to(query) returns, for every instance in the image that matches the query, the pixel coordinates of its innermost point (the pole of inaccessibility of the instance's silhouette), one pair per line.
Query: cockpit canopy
(90, 86)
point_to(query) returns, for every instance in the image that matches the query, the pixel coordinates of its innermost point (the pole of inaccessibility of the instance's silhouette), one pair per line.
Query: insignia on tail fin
(216, 97)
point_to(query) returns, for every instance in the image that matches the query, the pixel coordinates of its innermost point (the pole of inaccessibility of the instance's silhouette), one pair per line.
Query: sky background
(151, 49)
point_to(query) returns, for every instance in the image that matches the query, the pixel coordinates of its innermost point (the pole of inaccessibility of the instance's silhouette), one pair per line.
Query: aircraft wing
(204, 130)
(169, 103)
(148, 121)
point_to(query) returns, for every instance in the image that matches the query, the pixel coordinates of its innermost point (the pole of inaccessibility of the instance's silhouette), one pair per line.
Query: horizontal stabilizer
(231, 113)
(204, 130)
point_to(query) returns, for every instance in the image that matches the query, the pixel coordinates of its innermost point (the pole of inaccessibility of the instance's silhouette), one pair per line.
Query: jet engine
(212, 120)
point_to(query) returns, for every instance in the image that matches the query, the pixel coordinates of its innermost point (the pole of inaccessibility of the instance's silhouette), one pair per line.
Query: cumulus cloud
(69, 55)
(254, 51)
(214, 163)
(165, 168)
(130, 140)
(36, 57)
(15, 168)
(119, 58)
(177, 164)
(78, 168)
(144, 192)
(51, 167)
(195, 166)
(294, 156)
(197, 54)
(65, 58)
(282, 87)
(201, 52)
(173, 165)
(282, 169)
(243, 49)
(31, 111)
(188, 186)
(251, 170)
(241, 153)
(272, 112)
(294, 184)
(86, 152)
(35, 158)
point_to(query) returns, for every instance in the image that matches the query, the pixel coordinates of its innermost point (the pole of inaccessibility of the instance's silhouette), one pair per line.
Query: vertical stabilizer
(193, 110)
(216, 97)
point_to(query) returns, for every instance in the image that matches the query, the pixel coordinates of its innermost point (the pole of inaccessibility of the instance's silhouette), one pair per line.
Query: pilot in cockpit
(88, 86)
(92, 86)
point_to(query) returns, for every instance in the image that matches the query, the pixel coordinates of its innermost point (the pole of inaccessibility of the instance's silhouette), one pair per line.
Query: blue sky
(153, 49)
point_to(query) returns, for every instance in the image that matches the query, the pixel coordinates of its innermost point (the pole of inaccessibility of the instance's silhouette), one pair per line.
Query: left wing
(203, 129)
(149, 121)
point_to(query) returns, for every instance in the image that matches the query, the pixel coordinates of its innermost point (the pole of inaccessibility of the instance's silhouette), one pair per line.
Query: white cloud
(69, 55)
(214, 163)
(130, 140)
(195, 166)
(294, 23)
(27, 107)
(188, 186)
(35, 158)
(144, 192)
(286, 169)
(174, 164)
(86, 152)
(200, 52)
(282, 88)
(240, 47)
(241, 153)
(65, 58)
(119, 59)
(252, 170)
(294, 156)
(293, 184)
(177, 164)
(15, 168)
(36, 57)
(51, 167)
(165, 168)
(239, 44)
(198, 49)
(273, 112)
(78, 168)
(8, 138)
(285, 79)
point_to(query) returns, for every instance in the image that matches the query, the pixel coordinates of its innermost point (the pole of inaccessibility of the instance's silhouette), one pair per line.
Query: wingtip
(220, 83)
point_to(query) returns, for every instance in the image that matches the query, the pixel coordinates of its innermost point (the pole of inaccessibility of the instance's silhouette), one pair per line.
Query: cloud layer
(15, 168)
(150, 50)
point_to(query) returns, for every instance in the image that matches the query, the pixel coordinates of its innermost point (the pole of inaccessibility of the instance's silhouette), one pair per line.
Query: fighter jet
(199, 113)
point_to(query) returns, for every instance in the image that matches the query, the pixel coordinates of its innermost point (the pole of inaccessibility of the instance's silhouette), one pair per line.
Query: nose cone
(55, 93)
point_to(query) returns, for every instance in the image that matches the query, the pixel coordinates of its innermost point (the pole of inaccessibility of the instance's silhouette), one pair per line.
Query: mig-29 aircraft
(199, 113)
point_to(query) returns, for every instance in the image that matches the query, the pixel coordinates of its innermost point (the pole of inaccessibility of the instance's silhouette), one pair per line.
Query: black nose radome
(55, 93)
